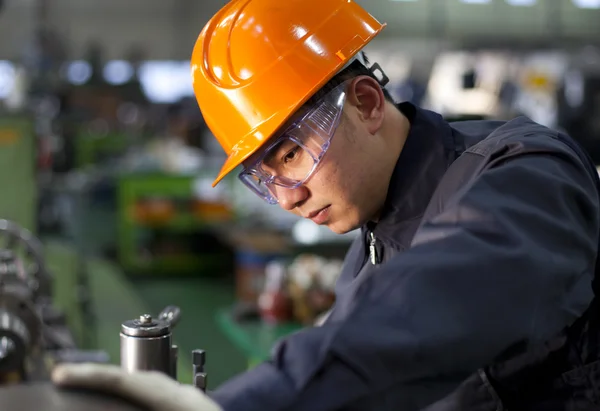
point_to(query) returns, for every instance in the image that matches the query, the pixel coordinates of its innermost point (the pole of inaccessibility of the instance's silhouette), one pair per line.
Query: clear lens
(259, 187)
(292, 159)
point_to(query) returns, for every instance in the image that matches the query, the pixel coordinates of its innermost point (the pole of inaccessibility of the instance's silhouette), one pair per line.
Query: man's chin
(341, 227)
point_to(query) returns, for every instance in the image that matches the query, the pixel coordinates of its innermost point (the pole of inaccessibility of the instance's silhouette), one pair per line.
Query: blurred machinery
(31, 341)
(20, 322)
(464, 83)
(579, 100)
(536, 81)
(146, 344)
(34, 334)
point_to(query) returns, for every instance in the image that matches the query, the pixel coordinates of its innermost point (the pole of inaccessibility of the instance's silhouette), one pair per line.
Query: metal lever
(171, 314)
(199, 374)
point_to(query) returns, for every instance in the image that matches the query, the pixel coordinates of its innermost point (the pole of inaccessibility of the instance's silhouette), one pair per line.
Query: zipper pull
(373, 250)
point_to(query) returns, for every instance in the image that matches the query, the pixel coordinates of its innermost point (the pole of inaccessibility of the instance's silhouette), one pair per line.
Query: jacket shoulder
(519, 136)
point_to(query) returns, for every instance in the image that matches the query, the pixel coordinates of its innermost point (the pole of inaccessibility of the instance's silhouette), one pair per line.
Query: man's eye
(291, 155)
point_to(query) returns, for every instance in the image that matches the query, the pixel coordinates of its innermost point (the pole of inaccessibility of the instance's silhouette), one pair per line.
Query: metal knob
(145, 319)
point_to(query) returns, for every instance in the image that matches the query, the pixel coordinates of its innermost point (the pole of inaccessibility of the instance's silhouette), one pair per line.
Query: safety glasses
(294, 156)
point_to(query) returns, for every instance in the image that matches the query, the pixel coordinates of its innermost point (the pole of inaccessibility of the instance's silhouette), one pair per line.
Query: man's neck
(395, 131)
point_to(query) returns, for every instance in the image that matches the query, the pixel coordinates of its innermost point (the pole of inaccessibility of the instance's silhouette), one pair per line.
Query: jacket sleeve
(509, 260)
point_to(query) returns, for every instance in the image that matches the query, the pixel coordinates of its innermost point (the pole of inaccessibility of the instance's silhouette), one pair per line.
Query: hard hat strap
(374, 68)
(379, 74)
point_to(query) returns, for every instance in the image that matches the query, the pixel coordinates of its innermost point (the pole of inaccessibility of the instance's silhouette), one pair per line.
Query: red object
(274, 307)
(44, 153)
(273, 303)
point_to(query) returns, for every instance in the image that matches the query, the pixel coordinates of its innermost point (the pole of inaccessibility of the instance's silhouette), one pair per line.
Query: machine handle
(171, 314)
(198, 372)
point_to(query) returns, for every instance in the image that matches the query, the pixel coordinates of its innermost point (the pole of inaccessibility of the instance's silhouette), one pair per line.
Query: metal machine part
(21, 243)
(14, 342)
(199, 374)
(20, 324)
(147, 343)
(34, 334)
(45, 396)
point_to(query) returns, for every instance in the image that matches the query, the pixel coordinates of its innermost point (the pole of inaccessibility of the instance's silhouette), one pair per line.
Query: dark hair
(355, 69)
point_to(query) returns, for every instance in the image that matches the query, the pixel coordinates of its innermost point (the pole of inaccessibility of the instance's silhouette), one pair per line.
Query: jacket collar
(428, 152)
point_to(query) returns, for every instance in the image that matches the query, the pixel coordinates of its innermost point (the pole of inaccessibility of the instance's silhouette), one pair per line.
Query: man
(468, 286)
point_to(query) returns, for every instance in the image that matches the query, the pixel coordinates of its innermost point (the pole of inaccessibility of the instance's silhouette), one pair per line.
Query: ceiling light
(521, 2)
(587, 4)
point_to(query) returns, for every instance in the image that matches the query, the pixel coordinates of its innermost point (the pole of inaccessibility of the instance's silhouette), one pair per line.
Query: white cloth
(152, 390)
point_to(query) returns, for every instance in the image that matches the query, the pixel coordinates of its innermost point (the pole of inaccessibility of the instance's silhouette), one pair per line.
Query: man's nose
(289, 198)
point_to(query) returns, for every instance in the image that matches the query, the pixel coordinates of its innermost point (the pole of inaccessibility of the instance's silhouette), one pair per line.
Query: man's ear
(366, 96)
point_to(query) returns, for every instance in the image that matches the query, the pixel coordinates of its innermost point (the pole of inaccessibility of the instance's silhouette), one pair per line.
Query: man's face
(344, 191)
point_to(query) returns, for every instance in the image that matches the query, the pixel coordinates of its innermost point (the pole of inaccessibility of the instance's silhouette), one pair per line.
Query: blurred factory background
(107, 161)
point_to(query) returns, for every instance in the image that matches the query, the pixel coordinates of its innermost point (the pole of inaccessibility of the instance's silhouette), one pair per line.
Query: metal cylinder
(146, 345)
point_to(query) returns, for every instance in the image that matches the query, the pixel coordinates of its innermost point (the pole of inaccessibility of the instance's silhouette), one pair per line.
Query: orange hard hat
(257, 61)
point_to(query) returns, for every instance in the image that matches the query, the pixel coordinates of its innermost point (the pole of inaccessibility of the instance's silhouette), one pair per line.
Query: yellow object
(538, 81)
(9, 136)
(257, 61)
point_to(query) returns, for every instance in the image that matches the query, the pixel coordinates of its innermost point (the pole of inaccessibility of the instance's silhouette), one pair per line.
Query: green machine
(94, 147)
(18, 202)
(166, 224)
(253, 338)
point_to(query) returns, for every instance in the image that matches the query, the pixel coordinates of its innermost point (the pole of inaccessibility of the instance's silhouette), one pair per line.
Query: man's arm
(511, 260)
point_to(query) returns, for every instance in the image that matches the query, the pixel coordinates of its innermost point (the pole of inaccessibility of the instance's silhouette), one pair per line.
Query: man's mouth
(319, 216)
